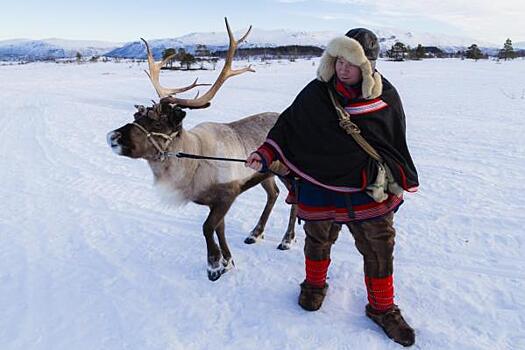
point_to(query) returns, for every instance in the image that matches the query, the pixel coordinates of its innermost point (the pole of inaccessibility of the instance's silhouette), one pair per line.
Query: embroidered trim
(306, 176)
(341, 215)
(366, 107)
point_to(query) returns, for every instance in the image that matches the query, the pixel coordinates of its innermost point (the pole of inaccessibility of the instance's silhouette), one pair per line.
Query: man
(334, 179)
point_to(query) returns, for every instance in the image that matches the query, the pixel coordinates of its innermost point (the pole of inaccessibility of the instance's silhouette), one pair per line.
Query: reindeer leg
(289, 235)
(214, 253)
(225, 250)
(272, 192)
(216, 262)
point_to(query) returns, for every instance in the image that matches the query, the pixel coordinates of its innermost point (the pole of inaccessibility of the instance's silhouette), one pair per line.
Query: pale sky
(119, 20)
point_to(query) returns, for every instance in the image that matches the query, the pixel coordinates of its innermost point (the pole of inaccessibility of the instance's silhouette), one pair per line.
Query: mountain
(447, 43)
(56, 48)
(136, 49)
(273, 38)
(262, 38)
(219, 41)
(27, 49)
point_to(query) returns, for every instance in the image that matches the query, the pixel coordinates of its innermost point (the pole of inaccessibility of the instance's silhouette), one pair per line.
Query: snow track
(90, 258)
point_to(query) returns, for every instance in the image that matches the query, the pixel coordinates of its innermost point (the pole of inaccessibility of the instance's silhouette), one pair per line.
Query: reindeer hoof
(214, 273)
(228, 264)
(251, 239)
(284, 246)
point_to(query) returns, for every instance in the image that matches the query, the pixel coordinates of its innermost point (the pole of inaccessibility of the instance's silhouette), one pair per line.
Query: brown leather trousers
(374, 238)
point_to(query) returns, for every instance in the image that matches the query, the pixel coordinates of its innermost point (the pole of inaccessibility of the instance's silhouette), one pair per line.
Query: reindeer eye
(156, 124)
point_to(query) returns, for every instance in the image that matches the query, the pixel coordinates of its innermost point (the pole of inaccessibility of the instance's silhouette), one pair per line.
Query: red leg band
(380, 292)
(316, 271)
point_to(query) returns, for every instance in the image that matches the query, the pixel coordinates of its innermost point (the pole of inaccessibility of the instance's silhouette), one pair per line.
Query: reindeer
(157, 132)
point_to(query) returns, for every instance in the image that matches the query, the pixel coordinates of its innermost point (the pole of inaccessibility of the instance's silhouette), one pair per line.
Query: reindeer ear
(176, 116)
(140, 111)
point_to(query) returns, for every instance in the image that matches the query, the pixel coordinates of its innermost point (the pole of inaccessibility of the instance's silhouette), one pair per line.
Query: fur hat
(350, 47)
(368, 41)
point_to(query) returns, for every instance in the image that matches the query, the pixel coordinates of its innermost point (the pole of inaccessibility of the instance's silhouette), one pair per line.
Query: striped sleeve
(267, 152)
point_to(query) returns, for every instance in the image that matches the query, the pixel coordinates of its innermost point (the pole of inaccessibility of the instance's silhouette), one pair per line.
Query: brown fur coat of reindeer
(158, 131)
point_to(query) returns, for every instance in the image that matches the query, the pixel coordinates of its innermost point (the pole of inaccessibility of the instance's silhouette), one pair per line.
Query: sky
(123, 21)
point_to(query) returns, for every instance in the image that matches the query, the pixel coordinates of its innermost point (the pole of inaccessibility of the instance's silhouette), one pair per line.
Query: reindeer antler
(154, 73)
(203, 101)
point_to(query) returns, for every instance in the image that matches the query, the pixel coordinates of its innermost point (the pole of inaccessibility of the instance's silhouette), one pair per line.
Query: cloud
(491, 19)
(486, 18)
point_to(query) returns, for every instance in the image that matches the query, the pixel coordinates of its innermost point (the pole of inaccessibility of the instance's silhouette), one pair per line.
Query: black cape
(311, 140)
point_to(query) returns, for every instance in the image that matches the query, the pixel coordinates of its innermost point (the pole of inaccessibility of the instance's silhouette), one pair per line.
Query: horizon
(480, 43)
(120, 22)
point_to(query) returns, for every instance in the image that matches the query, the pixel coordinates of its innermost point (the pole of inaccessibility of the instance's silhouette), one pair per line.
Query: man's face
(347, 72)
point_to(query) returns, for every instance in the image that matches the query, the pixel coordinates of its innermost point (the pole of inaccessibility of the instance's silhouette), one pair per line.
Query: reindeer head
(156, 128)
(150, 135)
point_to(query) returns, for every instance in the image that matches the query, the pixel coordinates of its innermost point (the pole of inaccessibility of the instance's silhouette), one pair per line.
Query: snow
(91, 258)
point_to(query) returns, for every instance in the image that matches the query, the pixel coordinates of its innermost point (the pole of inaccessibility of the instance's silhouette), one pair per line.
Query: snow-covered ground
(91, 259)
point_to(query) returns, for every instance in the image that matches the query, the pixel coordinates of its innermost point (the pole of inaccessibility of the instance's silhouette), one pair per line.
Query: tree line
(400, 52)
(203, 55)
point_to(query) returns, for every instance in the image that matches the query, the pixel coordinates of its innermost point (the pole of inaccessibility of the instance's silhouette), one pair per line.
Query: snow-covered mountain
(447, 43)
(136, 49)
(281, 37)
(262, 38)
(219, 41)
(56, 48)
(27, 49)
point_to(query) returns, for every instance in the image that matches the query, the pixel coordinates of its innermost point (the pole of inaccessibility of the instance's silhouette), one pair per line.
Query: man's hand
(254, 161)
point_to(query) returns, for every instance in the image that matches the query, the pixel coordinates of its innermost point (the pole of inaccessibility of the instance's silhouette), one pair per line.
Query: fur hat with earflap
(361, 48)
